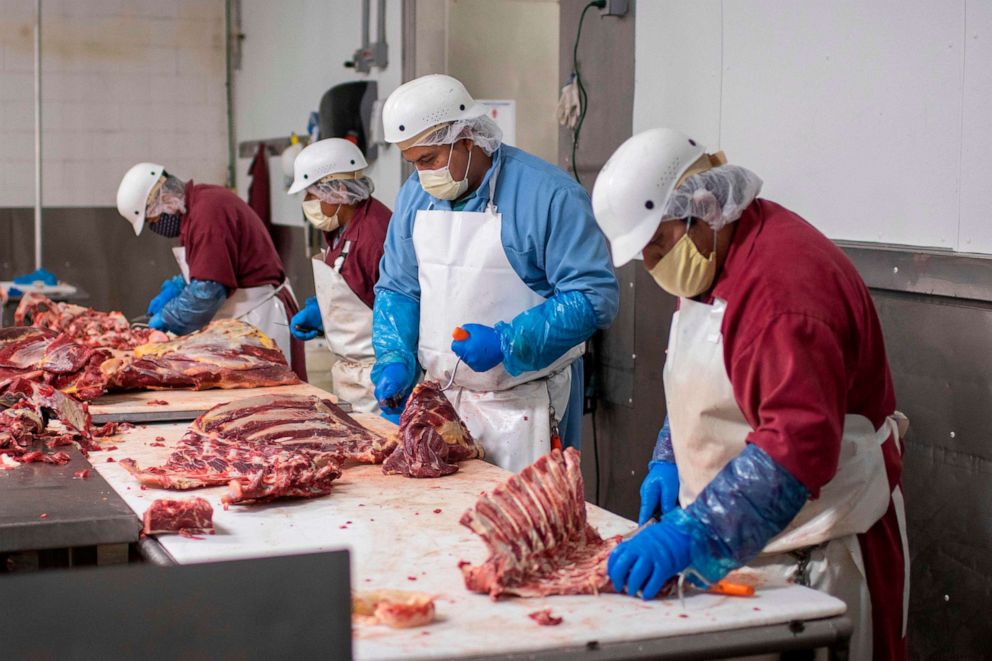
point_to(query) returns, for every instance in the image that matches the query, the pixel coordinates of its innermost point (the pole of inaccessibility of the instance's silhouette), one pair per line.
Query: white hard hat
(132, 194)
(324, 157)
(424, 103)
(633, 188)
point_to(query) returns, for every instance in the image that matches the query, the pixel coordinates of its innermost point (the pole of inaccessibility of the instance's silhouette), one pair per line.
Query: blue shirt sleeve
(195, 307)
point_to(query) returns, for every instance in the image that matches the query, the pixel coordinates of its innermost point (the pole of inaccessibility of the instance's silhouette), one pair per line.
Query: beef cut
(400, 609)
(85, 326)
(432, 438)
(192, 515)
(25, 409)
(225, 354)
(42, 355)
(265, 447)
(539, 540)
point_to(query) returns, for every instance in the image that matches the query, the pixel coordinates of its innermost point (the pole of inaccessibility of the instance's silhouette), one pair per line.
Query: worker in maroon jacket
(339, 203)
(230, 268)
(784, 449)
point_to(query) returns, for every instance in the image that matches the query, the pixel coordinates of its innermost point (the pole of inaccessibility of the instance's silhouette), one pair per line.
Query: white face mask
(317, 218)
(440, 184)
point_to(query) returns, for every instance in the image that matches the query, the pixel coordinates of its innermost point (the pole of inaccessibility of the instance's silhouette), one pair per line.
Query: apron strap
(339, 261)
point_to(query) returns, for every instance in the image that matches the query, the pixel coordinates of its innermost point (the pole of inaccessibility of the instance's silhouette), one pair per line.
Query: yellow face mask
(684, 271)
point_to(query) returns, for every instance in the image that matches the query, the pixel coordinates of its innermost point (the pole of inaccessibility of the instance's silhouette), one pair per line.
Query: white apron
(348, 331)
(258, 306)
(465, 277)
(708, 430)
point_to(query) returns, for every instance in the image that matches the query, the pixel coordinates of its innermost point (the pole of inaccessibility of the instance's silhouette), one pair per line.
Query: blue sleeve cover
(541, 335)
(663, 446)
(193, 309)
(395, 331)
(750, 500)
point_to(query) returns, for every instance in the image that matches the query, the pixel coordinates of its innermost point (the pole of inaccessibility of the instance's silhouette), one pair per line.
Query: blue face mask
(167, 225)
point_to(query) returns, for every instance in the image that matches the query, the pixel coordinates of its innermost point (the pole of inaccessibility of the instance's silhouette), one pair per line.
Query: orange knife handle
(460, 334)
(732, 589)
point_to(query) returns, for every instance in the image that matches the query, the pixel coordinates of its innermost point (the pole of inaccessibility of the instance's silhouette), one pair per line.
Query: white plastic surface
(404, 534)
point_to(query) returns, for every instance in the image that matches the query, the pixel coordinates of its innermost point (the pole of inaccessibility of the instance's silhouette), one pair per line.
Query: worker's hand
(392, 417)
(659, 490)
(170, 288)
(392, 387)
(307, 324)
(480, 350)
(645, 563)
(158, 323)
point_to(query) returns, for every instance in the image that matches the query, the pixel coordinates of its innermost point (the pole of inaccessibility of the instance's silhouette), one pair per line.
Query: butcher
(339, 203)
(494, 272)
(229, 267)
(783, 445)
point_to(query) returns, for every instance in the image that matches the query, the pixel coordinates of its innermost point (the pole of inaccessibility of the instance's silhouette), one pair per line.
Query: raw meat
(539, 540)
(25, 407)
(399, 609)
(293, 421)
(85, 326)
(42, 355)
(194, 515)
(545, 618)
(225, 354)
(265, 447)
(432, 438)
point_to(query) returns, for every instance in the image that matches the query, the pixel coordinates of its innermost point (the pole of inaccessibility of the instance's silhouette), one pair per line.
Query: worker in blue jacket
(492, 259)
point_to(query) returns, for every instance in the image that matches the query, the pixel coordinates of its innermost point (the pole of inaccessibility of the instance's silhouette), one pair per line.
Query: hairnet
(170, 197)
(717, 196)
(342, 191)
(482, 130)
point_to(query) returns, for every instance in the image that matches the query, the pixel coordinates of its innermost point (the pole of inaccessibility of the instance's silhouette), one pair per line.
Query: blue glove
(645, 563)
(392, 386)
(46, 277)
(307, 324)
(392, 417)
(659, 490)
(158, 323)
(481, 351)
(170, 288)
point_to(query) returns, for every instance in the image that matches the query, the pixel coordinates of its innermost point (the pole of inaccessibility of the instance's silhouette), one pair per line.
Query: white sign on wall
(504, 113)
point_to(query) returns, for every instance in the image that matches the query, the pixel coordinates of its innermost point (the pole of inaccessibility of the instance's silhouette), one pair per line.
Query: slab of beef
(265, 447)
(42, 355)
(25, 409)
(193, 515)
(85, 326)
(432, 438)
(539, 540)
(225, 354)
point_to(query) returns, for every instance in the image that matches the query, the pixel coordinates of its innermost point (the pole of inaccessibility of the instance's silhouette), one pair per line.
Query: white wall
(123, 82)
(868, 118)
(293, 52)
(509, 50)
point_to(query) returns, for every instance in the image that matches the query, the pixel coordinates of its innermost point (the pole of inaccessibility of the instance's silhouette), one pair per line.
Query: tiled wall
(122, 81)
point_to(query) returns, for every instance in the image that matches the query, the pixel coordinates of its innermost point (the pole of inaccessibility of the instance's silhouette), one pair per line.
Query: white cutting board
(398, 541)
(184, 404)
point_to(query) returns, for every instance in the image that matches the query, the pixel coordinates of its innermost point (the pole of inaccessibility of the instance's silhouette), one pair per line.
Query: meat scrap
(540, 542)
(25, 409)
(400, 609)
(265, 447)
(432, 438)
(189, 515)
(86, 326)
(545, 618)
(224, 354)
(43, 356)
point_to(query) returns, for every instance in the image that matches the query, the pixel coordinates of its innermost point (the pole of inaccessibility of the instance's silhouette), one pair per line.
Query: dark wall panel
(95, 249)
